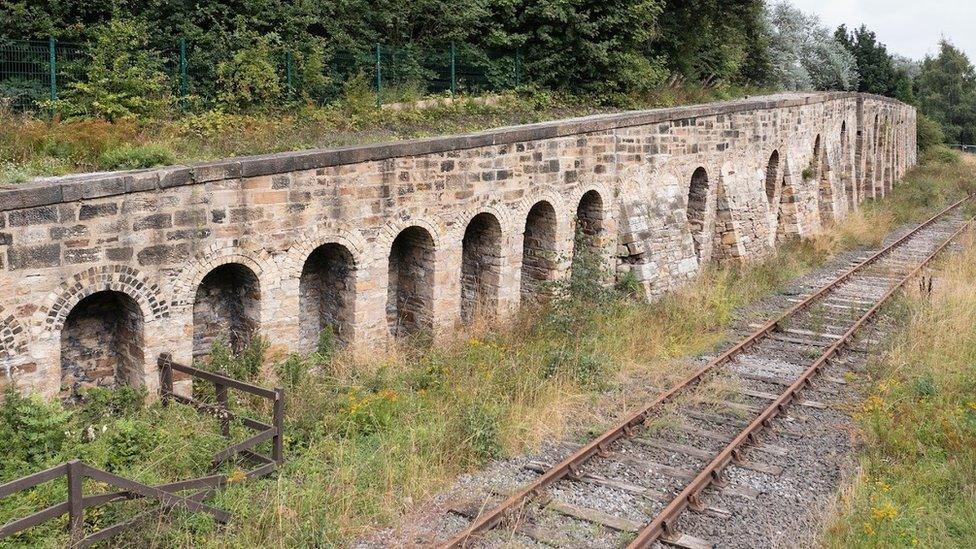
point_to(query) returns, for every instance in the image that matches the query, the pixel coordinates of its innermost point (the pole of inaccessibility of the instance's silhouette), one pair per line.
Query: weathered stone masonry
(100, 273)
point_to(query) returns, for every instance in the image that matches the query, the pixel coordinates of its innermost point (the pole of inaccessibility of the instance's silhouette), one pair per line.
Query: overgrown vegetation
(31, 147)
(918, 461)
(576, 57)
(368, 437)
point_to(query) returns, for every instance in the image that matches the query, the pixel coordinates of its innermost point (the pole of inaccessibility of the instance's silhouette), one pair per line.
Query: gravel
(780, 511)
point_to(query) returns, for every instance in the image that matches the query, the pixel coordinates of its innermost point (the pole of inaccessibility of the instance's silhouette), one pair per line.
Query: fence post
(221, 391)
(53, 64)
(278, 443)
(453, 71)
(288, 73)
(379, 77)
(166, 377)
(183, 82)
(76, 506)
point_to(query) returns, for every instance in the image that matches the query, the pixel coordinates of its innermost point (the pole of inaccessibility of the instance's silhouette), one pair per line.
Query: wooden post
(278, 448)
(166, 377)
(221, 390)
(76, 506)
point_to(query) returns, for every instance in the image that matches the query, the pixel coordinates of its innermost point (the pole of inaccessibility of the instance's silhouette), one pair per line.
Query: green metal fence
(33, 72)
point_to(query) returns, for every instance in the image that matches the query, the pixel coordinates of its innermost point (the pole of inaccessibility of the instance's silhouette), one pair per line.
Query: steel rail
(688, 497)
(572, 463)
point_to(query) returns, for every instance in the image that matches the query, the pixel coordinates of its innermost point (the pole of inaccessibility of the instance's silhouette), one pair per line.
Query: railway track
(666, 454)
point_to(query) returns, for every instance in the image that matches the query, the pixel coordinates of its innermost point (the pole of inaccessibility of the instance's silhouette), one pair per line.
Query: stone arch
(564, 230)
(293, 261)
(119, 278)
(13, 348)
(188, 280)
(590, 224)
(393, 229)
(226, 307)
(102, 343)
(13, 340)
(326, 294)
(773, 177)
(458, 223)
(696, 211)
(410, 286)
(481, 267)
(539, 250)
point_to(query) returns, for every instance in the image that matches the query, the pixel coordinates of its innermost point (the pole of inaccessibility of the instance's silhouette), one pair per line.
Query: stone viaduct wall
(100, 273)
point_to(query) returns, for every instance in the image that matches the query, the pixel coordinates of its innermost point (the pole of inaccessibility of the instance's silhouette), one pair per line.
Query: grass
(917, 481)
(368, 438)
(32, 147)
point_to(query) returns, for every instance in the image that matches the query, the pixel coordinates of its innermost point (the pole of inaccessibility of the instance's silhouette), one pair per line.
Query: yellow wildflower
(237, 475)
(884, 512)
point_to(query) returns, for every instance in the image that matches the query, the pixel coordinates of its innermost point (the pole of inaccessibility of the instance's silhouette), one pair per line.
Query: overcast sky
(909, 27)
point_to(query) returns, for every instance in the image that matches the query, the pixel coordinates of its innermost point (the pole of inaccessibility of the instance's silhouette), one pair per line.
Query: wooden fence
(75, 471)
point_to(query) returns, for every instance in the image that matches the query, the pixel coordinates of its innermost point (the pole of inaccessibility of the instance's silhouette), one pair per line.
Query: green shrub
(130, 442)
(123, 79)
(243, 364)
(292, 371)
(32, 432)
(100, 403)
(131, 157)
(940, 154)
(479, 428)
(249, 80)
(928, 133)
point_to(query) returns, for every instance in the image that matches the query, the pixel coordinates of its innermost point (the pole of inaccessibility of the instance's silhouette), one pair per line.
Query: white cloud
(909, 27)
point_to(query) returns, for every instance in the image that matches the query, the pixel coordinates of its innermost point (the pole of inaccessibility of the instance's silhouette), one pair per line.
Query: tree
(592, 45)
(713, 40)
(804, 55)
(946, 91)
(875, 66)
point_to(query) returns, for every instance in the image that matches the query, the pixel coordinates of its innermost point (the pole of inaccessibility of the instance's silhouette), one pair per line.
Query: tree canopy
(608, 48)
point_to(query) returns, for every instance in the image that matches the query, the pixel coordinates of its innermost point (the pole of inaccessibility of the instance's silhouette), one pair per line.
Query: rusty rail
(76, 471)
(688, 497)
(571, 465)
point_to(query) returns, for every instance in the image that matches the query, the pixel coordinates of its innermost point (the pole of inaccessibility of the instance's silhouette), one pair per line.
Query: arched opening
(481, 264)
(226, 309)
(589, 226)
(820, 172)
(101, 343)
(697, 204)
(846, 168)
(772, 176)
(538, 250)
(410, 291)
(326, 291)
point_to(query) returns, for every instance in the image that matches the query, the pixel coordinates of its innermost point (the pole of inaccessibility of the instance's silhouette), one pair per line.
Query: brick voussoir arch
(13, 336)
(260, 262)
(606, 198)
(458, 223)
(293, 260)
(392, 229)
(558, 203)
(118, 278)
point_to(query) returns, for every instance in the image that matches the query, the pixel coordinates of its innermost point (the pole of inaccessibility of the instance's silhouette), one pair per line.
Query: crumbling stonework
(379, 241)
